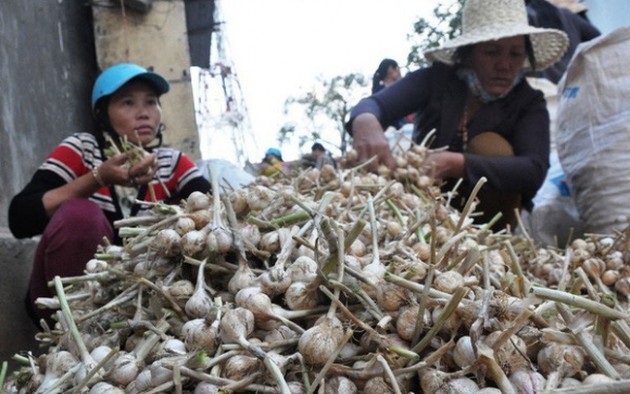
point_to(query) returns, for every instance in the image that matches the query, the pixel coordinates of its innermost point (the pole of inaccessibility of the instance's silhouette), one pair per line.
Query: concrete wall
(157, 40)
(47, 65)
(48, 62)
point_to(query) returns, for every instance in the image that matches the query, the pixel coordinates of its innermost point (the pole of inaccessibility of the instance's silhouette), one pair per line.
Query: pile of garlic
(243, 291)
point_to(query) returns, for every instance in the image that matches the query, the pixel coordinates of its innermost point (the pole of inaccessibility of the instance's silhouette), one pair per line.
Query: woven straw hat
(491, 20)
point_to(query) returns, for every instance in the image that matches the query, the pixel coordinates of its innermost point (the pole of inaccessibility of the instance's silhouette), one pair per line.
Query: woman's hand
(445, 164)
(369, 141)
(116, 171)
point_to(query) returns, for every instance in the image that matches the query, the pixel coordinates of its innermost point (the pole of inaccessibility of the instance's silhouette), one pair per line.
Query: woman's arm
(369, 116)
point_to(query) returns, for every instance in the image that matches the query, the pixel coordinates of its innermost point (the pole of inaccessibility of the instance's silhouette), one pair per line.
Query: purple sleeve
(396, 101)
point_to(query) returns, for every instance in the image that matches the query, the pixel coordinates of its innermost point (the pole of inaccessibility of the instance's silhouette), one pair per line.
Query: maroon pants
(68, 243)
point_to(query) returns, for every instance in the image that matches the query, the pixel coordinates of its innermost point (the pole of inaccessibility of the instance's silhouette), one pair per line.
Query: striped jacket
(76, 156)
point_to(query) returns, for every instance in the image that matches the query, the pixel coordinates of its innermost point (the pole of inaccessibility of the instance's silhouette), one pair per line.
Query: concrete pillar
(17, 332)
(157, 40)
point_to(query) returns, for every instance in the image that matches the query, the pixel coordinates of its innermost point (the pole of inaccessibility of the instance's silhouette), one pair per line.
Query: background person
(319, 157)
(543, 13)
(386, 74)
(78, 192)
(475, 95)
(272, 163)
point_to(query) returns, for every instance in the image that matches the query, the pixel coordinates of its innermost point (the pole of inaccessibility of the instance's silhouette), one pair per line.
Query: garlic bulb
(489, 390)
(167, 243)
(57, 364)
(510, 354)
(181, 291)
(240, 366)
(105, 388)
(201, 218)
(219, 240)
(153, 376)
(377, 385)
(199, 304)
(464, 354)
(199, 335)
(193, 242)
(251, 234)
(318, 342)
(300, 296)
(124, 370)
(528, 382)
(197, 201)
(406, 321)
(597, 378)
(459, 386)
(566, 359)
(184, 225)
(238, 198)
(340, 385)
(243, 277)
(206, 388)
(303, 269)
(448, 281)
(392, 297)
(95, 265)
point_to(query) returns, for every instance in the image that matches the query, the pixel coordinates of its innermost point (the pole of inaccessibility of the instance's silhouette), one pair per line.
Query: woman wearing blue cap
(78, 192)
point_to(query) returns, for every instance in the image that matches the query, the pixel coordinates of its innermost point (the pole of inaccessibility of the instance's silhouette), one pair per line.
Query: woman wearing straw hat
(476, 97)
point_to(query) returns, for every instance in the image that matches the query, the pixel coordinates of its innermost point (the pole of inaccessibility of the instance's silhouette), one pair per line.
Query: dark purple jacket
(437, 96)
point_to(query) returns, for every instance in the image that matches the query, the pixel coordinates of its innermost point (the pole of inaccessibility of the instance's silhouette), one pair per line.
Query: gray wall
(47, 65)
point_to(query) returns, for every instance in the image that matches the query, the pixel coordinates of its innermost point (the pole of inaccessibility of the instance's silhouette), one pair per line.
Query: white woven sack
(593, 131)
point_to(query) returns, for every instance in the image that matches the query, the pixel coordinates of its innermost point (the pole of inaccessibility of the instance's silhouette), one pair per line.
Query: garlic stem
(364, 299)
(487, 357)
(424, 300)
(620, 387)
(587, 283)
(98, 276)
(223, 382)
(521, 320)
(329, 362)
(277, 375)
(92, 373)
(136, 221)
(524, 283)
(162, 223)
(86, 358)
(216, 200)
(241, 384)
(622, 331)
(390, 375)
(625, 358)
(126, 295)
(416, 287)
(166, 296)
(578, 301)
(469, 202)
(397, 214)
(3, 372)
(598, 358)
(447, 246)
(354, 233)
(442, 318)
(375, 255)
(335, 300)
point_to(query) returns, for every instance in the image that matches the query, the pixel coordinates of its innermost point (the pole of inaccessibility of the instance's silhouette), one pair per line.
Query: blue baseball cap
(114, 77)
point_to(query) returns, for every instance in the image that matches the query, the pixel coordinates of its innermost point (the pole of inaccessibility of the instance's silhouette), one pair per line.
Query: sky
(277, 49)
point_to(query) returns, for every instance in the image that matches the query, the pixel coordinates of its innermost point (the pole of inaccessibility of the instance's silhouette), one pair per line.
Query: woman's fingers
(372, 145)
(142, 172)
